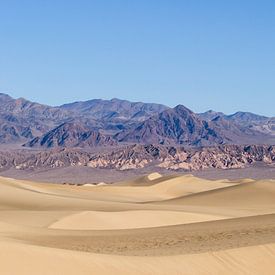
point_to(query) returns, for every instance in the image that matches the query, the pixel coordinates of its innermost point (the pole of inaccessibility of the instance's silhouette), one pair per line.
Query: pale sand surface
(151, 225)
(27, 259)
(97, 220)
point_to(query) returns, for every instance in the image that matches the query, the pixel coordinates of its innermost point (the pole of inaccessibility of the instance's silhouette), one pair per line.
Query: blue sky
(204, 54)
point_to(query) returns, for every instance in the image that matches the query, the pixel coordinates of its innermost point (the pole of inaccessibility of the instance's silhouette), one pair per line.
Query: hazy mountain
(210, 114)
(237, 133)
(263, 124)
(114, 109)
(256, 122)
(21, 119)
(246, 117)
(30, 110)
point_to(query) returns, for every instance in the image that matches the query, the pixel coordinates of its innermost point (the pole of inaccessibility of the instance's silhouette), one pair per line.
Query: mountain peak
(247, 116)
(5, 96)
(182, 110)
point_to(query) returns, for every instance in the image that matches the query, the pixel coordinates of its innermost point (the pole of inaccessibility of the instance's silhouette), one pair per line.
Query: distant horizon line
(130, 101)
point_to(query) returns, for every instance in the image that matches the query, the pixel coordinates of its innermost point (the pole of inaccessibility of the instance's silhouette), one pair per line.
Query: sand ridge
(101, 220)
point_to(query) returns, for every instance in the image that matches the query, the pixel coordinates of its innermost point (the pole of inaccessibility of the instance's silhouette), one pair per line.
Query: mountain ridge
(115, 121)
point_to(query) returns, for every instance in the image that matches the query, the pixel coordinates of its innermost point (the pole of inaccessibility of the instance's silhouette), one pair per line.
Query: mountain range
(105, 123)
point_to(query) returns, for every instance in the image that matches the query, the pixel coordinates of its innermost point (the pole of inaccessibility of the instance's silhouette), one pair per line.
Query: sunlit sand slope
(97, 220)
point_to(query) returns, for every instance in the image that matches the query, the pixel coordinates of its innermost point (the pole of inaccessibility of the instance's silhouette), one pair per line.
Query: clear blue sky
(204, 54)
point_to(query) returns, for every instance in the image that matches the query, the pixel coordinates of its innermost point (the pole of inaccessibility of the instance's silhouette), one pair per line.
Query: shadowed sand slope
(152, 225)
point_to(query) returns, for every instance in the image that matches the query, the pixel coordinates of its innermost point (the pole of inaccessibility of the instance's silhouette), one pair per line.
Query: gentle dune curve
(99, 220)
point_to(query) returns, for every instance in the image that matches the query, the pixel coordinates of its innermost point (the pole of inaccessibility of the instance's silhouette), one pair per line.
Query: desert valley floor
(155, 224)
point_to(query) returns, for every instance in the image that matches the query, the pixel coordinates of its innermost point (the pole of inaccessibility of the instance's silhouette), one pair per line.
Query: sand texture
(154, 224)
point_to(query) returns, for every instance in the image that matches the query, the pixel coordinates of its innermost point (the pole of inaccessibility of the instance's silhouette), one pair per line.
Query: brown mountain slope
(72, 134)
(126, 122)
(181, 126)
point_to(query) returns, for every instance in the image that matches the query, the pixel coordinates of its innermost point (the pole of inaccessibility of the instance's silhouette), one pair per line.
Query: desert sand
(155, 224)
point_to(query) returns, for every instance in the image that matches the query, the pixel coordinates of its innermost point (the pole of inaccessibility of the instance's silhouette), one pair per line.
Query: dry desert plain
(155, 224)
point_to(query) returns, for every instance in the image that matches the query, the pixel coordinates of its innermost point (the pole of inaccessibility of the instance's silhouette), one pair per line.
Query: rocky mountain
(182, 158)
(173, 126)
(117, 122)
(22, 120)
(139, 156)
(14, 129)
(71, 134)
(182, 126)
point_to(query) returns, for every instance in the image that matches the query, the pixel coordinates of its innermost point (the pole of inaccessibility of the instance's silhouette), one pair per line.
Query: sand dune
(249, 195)
(152, 225)
(96, 220)
(154, 176)
(160, 188)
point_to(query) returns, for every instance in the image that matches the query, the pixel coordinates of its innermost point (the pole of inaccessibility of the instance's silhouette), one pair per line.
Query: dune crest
(99, 220)
(154, 176)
